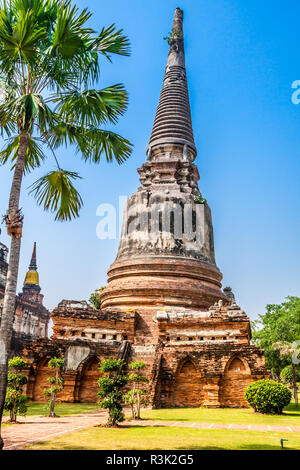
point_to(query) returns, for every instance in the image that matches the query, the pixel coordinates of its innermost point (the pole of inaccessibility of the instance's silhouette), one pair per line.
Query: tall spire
(32, 276)
(33, 266)
(173, 123)
(166, 254)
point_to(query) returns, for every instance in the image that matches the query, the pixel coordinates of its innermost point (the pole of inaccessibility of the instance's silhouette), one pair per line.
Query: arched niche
(88, 381)
(40, 381)
(235, 379)
(236, 366)
(188, 385)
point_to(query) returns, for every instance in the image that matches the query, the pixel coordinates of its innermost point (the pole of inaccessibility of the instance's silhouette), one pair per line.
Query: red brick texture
(192, 359)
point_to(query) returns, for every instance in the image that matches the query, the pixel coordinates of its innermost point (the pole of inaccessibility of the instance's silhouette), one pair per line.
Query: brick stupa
(163, 304)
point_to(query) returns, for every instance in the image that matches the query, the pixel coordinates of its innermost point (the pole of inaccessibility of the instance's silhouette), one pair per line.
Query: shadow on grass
(154, 448)
(241, 447)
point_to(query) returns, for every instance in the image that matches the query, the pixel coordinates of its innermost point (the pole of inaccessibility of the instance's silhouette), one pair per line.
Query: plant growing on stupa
(15, 401)
(49, 98)
(56, 383)
(267, 396)
(137, 396)
(173, 36)
(199, 199)
(110, 389)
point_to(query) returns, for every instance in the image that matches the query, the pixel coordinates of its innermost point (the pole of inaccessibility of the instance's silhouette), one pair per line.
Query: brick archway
(188, 387)
(236, 378)
(88, 385)
(40, 381)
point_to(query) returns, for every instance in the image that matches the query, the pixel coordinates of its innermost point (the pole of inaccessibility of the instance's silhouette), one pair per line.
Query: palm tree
(290, 350)
(49, 61)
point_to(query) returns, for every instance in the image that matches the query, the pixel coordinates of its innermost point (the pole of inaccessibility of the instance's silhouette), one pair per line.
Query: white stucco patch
(75, 355)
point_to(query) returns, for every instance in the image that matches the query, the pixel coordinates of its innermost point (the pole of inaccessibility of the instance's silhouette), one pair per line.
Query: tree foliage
(137, 396)
(286, 375)
(95, 298)
(15, 401)
(280, 323)
(110, 389)
(49, 71)
(56, 383)
(267, 396)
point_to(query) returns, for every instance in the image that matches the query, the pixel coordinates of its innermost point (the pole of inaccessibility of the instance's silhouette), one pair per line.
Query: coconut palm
(292, 351)
(49, 64)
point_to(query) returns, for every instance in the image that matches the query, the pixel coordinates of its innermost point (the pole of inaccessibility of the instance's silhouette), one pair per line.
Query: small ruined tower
(166, 256)
(31, 287)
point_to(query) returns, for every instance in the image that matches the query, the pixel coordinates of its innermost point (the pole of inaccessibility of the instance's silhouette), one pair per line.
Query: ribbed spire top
(173, 123)
(33, 265)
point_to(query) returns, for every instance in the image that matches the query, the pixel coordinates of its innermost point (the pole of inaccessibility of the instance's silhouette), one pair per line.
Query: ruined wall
(192, 358)
(81, 374)
(30, 322)
(211, 376)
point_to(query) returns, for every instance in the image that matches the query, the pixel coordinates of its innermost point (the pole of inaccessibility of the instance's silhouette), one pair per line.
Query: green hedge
(267, 396)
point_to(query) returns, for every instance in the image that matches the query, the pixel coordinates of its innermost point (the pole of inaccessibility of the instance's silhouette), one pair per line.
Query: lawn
(61, 409)
(290, 417)
(156, 438)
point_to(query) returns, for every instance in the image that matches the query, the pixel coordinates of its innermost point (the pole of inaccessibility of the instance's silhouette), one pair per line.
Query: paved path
(233, 427)
(40, 428)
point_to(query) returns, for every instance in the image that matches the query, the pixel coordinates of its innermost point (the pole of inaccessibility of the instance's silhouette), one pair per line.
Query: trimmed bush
(15, 401)
(110, 389)
(286, 375)
(267, 396)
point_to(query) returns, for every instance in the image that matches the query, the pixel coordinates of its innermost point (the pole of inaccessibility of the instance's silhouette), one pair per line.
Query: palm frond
(112, 41)
(24, 110)
(92, 107)
(91, 143)
(56, 193)
(63, 134)
(68, 33)
(97, 142)
(22, 38)
(34, 155)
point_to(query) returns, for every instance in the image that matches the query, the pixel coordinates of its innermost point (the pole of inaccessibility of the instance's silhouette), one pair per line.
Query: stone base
(162, 282)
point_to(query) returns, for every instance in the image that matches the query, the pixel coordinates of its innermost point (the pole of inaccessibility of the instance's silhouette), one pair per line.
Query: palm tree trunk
(9, 300)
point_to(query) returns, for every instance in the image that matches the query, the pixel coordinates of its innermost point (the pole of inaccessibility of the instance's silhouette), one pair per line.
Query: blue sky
(242, 57)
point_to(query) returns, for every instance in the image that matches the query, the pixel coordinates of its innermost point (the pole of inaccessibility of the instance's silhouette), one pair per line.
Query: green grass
(61, 409)
(290, 417)
(158, 438)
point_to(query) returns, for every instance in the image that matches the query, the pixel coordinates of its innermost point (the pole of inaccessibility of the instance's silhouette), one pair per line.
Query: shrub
(137, 396)
(267, 396)
(15, 401)
(56, 383)
(286, 375)
(110, 389)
